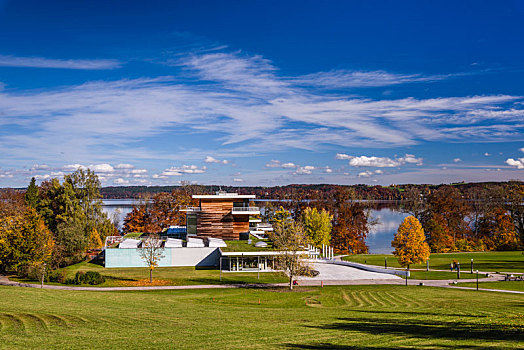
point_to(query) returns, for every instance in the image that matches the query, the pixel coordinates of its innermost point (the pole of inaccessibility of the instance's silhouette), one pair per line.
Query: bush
(58, 276)
(89, 277)
(93, 277)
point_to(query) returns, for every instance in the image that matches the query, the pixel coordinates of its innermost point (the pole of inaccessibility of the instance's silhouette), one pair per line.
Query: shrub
(59, 276)
(93, 277)
(89, 277)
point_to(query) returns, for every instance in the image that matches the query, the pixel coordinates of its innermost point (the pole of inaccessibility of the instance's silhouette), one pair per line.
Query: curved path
(392, 281)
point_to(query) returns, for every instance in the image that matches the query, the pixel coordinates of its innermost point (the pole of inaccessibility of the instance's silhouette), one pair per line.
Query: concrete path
(344, 273)
(312, 282)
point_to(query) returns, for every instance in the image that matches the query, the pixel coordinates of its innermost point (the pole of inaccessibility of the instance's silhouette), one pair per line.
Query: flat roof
(224, 196)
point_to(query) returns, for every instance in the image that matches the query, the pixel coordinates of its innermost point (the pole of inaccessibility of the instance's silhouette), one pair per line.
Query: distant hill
(392, 192)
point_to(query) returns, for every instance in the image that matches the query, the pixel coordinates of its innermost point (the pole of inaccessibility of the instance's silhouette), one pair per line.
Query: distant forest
(392, 192)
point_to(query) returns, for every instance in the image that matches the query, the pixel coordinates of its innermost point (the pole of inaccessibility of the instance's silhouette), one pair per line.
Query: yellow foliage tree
(410, 243)
(95, 242)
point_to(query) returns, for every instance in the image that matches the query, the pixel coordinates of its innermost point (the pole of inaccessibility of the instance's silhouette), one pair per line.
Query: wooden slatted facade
(215, 218)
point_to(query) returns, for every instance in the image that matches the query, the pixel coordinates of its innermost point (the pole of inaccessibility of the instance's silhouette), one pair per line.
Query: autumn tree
(151, 252)
(24, 241)
(447, 214)
(159, 212)
(351, 223)
(290, 240)
(317, 226)
(497, 230)
(409, 243)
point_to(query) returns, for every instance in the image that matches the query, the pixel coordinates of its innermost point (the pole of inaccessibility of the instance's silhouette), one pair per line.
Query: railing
(188, 208)
(243, 210)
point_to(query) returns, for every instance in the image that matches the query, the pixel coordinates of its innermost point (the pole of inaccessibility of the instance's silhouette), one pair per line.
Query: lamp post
(427, 265)
(471, 265)
(385, 262)
(477, 279)
(458, 270)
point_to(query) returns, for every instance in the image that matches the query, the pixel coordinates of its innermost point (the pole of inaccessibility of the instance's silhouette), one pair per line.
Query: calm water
(379, 239)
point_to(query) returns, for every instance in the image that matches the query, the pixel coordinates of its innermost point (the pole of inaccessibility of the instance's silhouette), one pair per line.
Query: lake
(379, 239)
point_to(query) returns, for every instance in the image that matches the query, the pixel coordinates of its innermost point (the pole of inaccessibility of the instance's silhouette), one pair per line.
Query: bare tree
(290, 240)
(151, 252)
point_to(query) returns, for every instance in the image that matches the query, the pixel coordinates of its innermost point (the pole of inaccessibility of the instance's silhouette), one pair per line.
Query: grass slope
(352, 317)
(505, 285)
(483, 261)
(175, 276)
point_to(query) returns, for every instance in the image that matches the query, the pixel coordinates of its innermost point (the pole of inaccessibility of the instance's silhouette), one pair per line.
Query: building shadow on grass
(421, 313)
(316, 346)
(439, 329)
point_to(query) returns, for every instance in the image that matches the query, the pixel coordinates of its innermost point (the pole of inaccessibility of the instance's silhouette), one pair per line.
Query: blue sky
(262, 92)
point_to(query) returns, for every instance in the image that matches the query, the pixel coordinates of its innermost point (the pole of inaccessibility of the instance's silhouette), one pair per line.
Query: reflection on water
(381, 235)
(379, 239)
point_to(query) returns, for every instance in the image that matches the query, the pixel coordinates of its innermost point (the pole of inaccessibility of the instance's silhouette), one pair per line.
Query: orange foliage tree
(351, 223)
(159, 213)
(497, 230)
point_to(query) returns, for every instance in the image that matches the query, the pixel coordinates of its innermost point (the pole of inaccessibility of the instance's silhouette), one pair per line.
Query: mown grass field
(483, 261)
(441, 275)
(352, 317)
(174, 276)
(506, 285)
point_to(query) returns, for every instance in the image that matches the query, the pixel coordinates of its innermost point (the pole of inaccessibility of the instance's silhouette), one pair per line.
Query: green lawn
(243, 246)
(506, 285)
(351, 317)
(137, 276)
(483, 261)
(441, 275)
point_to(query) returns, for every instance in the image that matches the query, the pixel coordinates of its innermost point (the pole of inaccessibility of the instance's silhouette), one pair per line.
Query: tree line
(53, 224)
(475, 218)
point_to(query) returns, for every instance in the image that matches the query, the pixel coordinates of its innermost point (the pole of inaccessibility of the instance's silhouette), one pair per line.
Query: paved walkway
(344, 273)
(311, 282)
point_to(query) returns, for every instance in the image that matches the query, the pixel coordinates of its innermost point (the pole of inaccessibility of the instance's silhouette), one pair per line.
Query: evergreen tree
(31, 194)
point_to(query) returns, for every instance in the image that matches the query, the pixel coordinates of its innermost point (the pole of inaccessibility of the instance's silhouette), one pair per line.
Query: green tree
(290, 240)
(31, 194)
(317, 226)
(410, 243)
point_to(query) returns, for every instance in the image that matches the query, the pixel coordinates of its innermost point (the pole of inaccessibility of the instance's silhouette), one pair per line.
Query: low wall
(115, 257)
(369, 268)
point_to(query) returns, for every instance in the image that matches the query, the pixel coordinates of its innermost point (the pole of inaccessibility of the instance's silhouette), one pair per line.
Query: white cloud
(124, 166)
(343, 156)
(328, 170)
(519, 163)
(379, 172)
(238, 180)
(139, 171)
(366, 173)
(373, 161)
(410, 159)
(101, 168)
(521, 149)
(37, 167)
(210, 159)
(233, 98)
(274, 164)
(304, 170)
(121, 181)
(350, 79)
(41, 62)
(289, 165)
(184, 169)
(380, 162)
(487, 154)
(457, 160)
